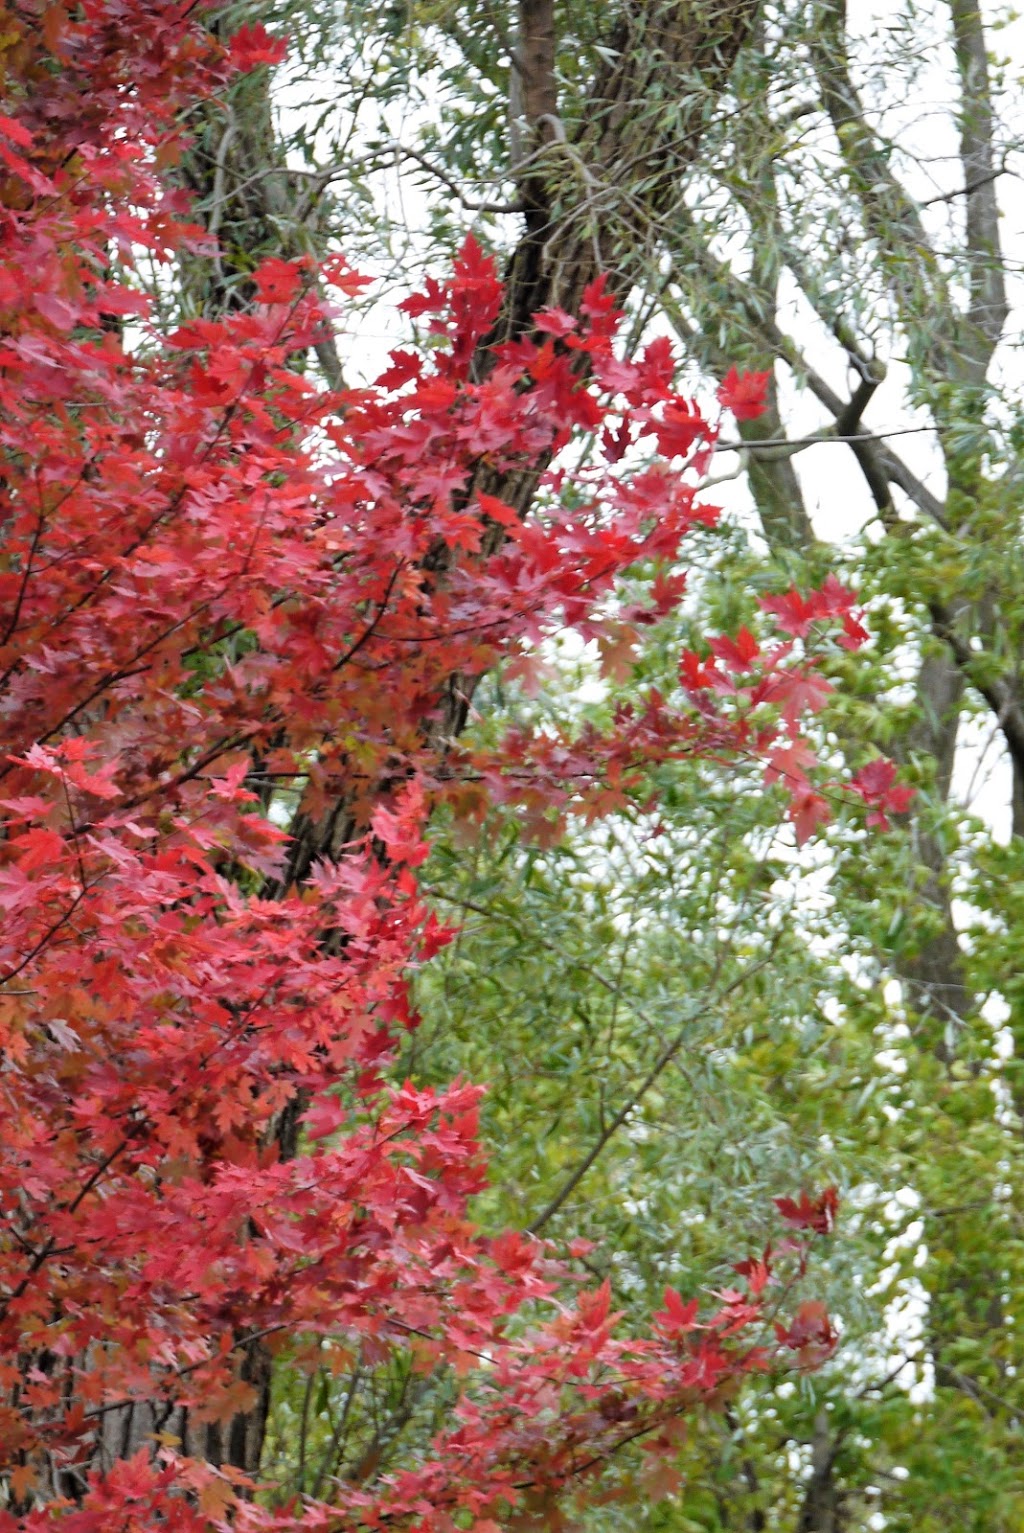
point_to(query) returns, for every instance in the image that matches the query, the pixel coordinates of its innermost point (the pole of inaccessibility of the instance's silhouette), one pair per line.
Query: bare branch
(403, 151)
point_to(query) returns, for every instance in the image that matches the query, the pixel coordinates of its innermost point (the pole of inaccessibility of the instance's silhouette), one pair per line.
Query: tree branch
(988, 309)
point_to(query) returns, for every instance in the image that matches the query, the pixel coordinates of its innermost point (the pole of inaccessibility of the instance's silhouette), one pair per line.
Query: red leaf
(739, 653)
(793, 614)
(810, 1331)
(807, 810)
(679, 1317)
(597, 303)
(498, 511)
(789, 763)
(56, 310)
(745, 394)
(15, 131)
(338, 274)
(554, 321)
(326, 1116)
(253, 45)
(817, 1214)
(278, 281)
(680, 426)
(876, 784)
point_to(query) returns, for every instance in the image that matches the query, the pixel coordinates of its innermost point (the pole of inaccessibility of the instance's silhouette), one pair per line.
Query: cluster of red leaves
(217, 582)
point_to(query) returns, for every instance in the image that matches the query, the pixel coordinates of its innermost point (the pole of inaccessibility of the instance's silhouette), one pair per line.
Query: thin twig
(403, 151)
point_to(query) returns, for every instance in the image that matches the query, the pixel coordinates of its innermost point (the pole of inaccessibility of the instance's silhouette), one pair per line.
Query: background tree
(842, 222)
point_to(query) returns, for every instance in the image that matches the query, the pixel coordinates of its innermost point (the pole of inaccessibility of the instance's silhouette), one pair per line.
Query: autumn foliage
(223, 588)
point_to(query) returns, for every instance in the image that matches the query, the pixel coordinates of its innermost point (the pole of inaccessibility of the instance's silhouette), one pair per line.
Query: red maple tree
(219, 580)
